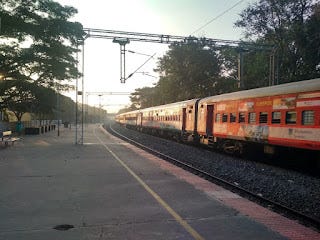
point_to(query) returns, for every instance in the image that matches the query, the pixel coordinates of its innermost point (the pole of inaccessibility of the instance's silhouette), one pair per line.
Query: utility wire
(215, 18)
(143, 54)
(130, 75)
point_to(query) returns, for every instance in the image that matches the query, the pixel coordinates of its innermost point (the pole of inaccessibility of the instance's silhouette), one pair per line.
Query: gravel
(298, 191)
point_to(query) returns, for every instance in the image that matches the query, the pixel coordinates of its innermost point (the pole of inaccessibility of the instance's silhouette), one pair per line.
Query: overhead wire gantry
(167, 39)
(123, 38)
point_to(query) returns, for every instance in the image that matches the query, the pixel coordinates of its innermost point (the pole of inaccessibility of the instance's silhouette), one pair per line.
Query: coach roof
(293, 87)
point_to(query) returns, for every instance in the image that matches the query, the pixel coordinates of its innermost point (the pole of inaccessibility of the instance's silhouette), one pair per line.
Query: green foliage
(16, 97)
(188, 71)
(38, 47)
(45, 102)
(255, 70)
(293, 28)
(52, 40)
(67, 109)
(142, 98)
(22, 96)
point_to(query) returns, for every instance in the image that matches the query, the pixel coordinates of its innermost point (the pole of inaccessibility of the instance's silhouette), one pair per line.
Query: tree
(310, 45)
(192, 70)
(188, 71)
(18, 96)
(142, 98)
(67, 109)
(291, 26)
(52, 40)
(38, 47)
(45, 104)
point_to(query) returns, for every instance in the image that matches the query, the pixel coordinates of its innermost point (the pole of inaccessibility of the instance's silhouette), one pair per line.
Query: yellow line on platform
(166, 206)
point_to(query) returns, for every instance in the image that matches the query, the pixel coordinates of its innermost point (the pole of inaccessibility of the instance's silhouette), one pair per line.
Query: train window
(252, 117)
(263, 118)
(224, 117)
(242, 117)
(276, 117)
(233, 117)
(308, 117)
(218, 117)
(291, 117)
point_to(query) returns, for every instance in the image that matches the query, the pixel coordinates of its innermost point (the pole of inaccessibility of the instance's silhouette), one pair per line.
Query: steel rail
(278, 207)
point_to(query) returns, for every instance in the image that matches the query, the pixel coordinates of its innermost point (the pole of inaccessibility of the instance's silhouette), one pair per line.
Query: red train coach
(283, 115)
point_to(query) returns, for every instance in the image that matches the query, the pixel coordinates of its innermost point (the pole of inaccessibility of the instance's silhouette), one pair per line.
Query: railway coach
(286, 115)
(128, 119)
(176, 120)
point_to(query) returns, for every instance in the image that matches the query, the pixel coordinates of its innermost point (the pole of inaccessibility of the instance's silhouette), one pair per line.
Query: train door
(184, 118)
(209, 120)
(139, 120)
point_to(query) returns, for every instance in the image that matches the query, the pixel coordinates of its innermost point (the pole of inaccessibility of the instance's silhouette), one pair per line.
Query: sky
(173, 17)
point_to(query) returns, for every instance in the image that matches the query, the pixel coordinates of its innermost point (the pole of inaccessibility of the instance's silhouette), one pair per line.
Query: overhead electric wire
(130, 75)
(143, 54)
(215, 18)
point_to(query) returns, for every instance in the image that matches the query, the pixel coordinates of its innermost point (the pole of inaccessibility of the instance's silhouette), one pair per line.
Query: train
(274, 117)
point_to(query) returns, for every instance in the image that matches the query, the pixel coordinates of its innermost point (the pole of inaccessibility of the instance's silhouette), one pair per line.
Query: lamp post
(100, 95)
(58, 110)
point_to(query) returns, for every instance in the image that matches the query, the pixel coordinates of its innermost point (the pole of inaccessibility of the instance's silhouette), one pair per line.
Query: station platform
(52, 188)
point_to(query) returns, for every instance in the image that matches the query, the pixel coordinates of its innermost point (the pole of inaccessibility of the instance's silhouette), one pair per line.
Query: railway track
(277, 207)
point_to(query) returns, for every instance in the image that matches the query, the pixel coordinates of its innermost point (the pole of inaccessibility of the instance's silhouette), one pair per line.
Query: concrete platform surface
(108, 189)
